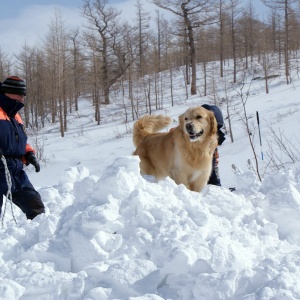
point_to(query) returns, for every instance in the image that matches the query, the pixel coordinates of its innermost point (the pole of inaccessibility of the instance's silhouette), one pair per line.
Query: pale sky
(27, 21)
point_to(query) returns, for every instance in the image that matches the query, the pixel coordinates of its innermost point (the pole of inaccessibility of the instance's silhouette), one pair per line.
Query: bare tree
(281, 149)
(103, 20)
(26, 65)
(235, 10)
(228, 111)
(221, 28)
(142, 24)
(159, 38)
(286, 6)
(244, 116)
(76, 65)
(169, 54)
(57, 51)
(250, 29)
(117, 46)
(294, 33)
(265, 47)
(5, 65)
(194, 13)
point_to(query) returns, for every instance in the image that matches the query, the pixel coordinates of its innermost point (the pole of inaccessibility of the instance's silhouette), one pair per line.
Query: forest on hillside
(111, 58)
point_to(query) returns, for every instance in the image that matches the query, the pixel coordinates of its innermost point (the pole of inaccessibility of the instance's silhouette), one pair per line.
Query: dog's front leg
(199, 183)
(179, 179)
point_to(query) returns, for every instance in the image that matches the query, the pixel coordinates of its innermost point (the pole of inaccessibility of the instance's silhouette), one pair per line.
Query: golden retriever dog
(184, 153)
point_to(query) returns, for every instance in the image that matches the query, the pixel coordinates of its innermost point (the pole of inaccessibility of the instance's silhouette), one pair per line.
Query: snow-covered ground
(109, 233)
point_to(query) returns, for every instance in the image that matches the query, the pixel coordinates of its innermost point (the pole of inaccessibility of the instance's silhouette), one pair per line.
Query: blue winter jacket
(13, 142)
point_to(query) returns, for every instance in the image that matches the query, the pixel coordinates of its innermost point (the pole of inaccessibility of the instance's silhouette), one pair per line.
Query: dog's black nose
(189, 127)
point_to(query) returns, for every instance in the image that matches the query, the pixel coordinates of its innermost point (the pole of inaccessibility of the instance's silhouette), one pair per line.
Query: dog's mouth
(194, 136)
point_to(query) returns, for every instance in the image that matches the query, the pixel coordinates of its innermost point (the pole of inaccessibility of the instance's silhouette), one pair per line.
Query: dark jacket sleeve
(221, 137)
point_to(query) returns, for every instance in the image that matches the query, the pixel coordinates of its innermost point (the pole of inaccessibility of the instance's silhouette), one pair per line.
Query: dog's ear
(181, 120)
(213, 123)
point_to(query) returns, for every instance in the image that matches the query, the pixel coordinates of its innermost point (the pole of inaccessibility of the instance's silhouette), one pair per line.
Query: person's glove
(31, 159)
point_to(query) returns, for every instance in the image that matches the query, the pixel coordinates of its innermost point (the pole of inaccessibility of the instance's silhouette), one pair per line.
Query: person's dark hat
(13, 85)
(217, 112)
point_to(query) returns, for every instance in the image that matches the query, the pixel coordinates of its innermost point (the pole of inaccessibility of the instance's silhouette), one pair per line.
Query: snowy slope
(109, 233)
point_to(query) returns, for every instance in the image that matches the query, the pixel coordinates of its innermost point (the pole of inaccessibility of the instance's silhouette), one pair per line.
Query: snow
(109, 233)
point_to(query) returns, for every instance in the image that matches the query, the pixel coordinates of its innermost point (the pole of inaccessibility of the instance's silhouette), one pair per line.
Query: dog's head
(198, 123)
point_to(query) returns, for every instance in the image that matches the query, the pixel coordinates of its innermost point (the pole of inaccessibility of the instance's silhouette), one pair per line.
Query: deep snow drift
(123, 237)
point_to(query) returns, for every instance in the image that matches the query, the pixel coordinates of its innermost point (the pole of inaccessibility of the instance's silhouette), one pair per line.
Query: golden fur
(184, 153)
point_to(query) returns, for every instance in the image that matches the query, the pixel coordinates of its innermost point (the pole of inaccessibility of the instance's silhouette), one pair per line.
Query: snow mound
(122, 236)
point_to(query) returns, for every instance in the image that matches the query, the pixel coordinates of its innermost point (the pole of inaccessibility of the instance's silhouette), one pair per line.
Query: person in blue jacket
(215, 177)
(15, 150)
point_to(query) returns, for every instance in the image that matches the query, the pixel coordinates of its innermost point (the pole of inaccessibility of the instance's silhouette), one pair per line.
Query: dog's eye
(185, 118)
(199, 117)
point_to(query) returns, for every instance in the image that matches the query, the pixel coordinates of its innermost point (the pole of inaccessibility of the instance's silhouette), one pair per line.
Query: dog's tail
(148, 125)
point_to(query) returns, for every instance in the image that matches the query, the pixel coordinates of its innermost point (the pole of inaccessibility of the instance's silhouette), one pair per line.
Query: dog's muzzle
(191, 132)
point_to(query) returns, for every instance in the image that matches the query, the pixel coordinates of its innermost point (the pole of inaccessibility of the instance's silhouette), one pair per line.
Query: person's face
(16, 97)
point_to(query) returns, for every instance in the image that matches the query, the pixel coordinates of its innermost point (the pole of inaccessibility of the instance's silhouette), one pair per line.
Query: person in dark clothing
(215, 176)
(15, 151)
